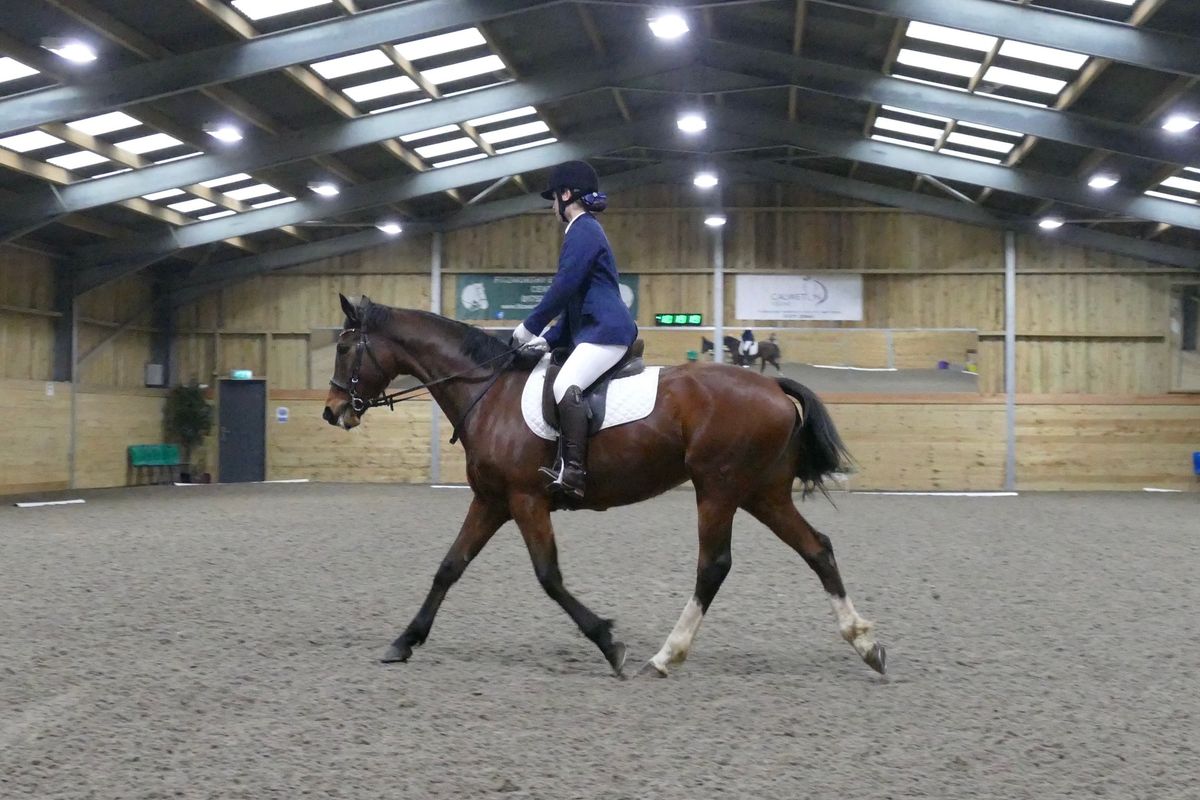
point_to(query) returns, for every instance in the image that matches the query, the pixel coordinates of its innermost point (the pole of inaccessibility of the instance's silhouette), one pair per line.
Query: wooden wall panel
(109, 422)
(192, 358)
(1107, 447)
(1084, 366)
(924, 349)
(240, 351)
(34, 446)
(1110, 304)
(26, 279)
(26, 340)
(924, 447)
(289, 362)
(528, 243)
(387, 448)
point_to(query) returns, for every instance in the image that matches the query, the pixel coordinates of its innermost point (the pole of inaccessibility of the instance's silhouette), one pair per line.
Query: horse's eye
(342, 349)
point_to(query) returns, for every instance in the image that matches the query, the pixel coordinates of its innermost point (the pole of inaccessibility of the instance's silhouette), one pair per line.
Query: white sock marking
(679, 642)
(854, 629)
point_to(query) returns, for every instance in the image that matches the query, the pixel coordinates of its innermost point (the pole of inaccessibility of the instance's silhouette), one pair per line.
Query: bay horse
(768, 352)
(784, 433)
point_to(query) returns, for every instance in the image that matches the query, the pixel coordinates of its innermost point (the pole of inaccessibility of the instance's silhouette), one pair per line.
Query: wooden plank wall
(27, 315)
(110, 420)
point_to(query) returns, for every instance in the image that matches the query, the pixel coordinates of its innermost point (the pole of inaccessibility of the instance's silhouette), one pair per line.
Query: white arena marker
(855, 369)
(450, 486)
(288, 480)
(177, 483)
(943, 494)
(1162, 491)
(49, 503)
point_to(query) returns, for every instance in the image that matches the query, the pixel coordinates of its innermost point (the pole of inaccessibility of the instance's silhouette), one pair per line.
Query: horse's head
(705, 345)
(362, 369)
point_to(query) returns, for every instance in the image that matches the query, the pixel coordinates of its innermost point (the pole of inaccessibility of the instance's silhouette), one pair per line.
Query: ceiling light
(11, 69)
(390, 228)
(705, 180)
(261, 9)
(70, 49)
(714, 220)
(224, 133)
(1179, 123)
(1050, 223)
(325, 189)
(1103, 181)
(669, 25)
(691, 123)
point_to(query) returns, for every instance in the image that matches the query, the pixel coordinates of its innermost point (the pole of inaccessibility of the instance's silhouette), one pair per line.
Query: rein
(361, 404)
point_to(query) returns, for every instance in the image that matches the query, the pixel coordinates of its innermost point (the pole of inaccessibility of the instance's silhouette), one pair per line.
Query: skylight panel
(463, 69)
(524, 111)
(179, 158)
(1024, 80)
(1049, 56)
(444, 148)
(105, 123)
(443, 43)
(383, 88)
(427, 134)
(77, 160)
(462, 160)
(970, 156)
(25, 142)
(149, 144)
(911, 128)
(1120, 2)
(278, 201)
(110, 174)
(951, 36)
(1013, 99)
(1187, 184)
(935, 63)
(989, 129)
(188, 206)
(514, 148)
(1192, 169)
(217, 215)
(11, 69)
(933, 83)
(418, 101)
(261, 9)
(353, 64)
(163, 195)
(981, 143)
(515, 132)
(225, 180)
(905, 142)
(251, 192)
(909, 112)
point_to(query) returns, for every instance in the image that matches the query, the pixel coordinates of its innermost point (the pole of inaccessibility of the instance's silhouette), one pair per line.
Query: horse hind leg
(779, 513)
(714, 562)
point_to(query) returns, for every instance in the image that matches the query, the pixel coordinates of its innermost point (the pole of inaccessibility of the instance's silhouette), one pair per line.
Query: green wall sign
(512, 297)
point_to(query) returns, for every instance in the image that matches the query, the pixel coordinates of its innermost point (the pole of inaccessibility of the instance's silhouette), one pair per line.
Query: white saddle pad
(629, 399)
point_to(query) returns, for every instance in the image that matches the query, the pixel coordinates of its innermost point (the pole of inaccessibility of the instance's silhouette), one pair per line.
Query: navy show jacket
(585, 292)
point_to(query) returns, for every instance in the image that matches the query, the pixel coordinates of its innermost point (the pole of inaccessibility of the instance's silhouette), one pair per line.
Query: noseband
(360, 404)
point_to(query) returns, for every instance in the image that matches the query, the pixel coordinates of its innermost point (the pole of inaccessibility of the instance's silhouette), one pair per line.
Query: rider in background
(592, 318)
(748, 349)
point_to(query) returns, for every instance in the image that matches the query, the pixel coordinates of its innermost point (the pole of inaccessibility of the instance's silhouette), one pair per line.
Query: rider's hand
(537, 343)
(523, 336)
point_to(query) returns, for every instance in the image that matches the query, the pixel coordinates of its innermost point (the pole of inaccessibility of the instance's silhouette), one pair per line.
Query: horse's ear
(348, 308)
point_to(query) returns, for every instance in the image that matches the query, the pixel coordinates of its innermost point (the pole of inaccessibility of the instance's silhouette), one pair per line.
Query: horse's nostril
(329, 417)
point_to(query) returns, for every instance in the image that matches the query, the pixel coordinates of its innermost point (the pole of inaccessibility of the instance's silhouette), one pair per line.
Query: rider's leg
(586, 363)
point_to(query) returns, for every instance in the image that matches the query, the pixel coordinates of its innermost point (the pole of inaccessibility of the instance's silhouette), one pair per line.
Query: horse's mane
(476, 345)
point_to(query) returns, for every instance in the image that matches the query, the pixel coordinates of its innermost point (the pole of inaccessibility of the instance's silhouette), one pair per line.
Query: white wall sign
(281, 414)
(820, 295)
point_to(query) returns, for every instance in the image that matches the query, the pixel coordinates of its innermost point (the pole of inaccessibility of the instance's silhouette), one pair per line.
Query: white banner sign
(821, 295)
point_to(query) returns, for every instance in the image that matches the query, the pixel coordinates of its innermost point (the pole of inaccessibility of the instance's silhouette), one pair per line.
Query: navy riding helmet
(581, 181)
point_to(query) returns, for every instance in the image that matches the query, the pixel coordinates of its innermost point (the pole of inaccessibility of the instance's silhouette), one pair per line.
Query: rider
(594, 320)
(747, 347)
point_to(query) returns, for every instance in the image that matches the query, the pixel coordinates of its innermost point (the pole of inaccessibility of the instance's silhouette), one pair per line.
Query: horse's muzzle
(329, 416)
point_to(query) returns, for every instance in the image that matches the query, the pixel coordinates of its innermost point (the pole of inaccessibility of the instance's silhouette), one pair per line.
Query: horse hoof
(616, 658)
(652, 669)
(396, 653)
(877, 659)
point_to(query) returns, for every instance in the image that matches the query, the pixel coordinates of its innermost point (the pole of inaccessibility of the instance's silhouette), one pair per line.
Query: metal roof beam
(100, 265)
(1157, 50)
(1032, 184)
(34, 210)
(210, 278)
(829, 79)
(971, 214)
(239, 60)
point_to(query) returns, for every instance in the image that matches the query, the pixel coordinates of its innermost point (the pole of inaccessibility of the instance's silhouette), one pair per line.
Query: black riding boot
(570, 473)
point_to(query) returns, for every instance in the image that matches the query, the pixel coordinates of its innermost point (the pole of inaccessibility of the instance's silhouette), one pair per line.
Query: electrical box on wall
(156, 375)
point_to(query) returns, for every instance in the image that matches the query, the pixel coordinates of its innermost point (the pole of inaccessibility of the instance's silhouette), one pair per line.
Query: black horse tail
(822, 451)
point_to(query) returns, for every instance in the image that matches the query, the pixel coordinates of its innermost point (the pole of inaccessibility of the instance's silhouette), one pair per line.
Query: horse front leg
(532, 515)
(483, 520)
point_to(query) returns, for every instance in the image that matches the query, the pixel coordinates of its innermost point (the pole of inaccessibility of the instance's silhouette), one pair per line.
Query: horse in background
(768, 353)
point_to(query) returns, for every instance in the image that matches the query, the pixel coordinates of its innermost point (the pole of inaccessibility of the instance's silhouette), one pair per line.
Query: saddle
(595, 397)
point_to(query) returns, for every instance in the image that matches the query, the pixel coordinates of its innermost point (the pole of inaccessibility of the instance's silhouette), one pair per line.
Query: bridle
(360, 404)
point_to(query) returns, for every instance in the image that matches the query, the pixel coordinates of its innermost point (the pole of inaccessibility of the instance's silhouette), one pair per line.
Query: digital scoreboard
(677, 320)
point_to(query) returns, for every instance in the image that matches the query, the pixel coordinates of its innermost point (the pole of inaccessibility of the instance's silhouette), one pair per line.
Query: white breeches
(748, 348)
(586, 363)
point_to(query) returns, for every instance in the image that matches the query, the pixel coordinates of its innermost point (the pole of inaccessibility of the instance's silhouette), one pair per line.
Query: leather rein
(360, 404)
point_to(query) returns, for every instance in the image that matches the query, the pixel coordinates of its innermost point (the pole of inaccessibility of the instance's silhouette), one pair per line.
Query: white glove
(522, 335)
(537, 343)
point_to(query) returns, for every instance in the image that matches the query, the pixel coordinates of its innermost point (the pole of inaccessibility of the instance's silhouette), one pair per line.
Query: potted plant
(188, 419)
